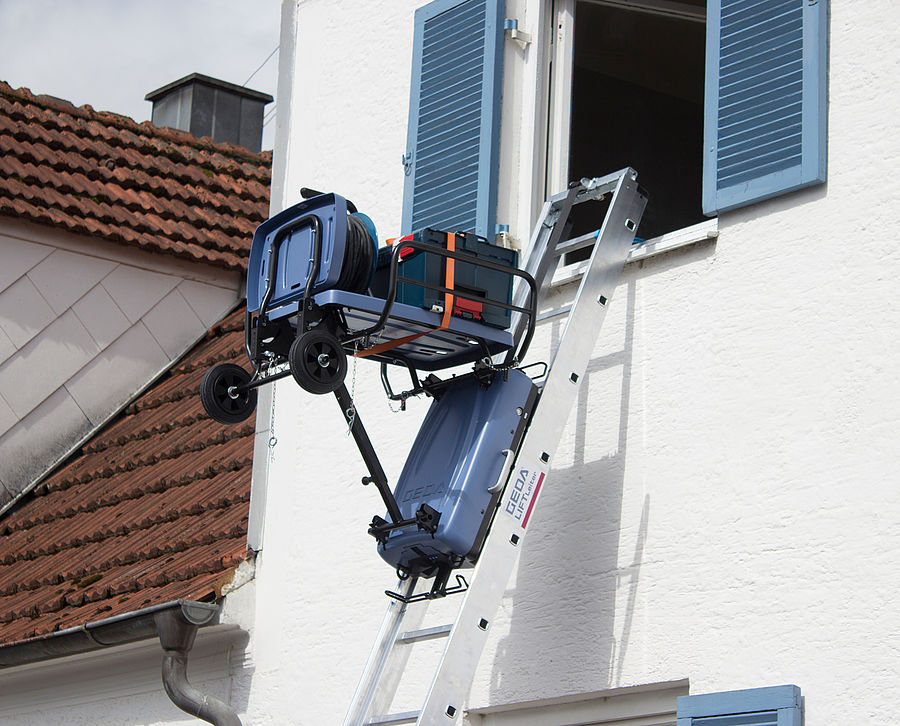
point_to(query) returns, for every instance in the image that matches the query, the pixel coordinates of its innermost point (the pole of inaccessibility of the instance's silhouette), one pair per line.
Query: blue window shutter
(452, 158)
(764, 131)
(772, 706)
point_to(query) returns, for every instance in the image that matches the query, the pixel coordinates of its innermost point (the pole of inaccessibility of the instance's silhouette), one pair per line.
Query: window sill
(695, 234)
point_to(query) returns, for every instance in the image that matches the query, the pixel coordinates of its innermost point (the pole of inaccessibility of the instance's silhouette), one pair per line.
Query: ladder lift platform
(519, 482)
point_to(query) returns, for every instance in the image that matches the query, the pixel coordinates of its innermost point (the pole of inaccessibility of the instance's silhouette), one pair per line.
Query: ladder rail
(546, 245)
(385, 665)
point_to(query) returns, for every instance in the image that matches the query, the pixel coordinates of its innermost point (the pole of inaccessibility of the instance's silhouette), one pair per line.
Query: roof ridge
(126, 122)
(172, 150)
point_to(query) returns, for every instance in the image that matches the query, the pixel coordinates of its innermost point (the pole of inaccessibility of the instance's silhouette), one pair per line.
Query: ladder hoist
(525, 475)
(472, 480)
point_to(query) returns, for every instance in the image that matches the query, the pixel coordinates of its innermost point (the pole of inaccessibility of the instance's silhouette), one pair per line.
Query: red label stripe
(533, 500)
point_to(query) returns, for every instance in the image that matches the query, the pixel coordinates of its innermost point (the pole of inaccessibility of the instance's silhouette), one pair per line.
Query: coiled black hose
(359, 257)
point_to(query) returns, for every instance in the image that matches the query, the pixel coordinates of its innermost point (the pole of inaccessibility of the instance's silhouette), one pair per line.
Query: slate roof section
(105, 175)
(153, 508)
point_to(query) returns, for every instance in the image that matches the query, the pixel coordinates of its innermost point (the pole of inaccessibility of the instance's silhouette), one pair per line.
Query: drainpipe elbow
(177, 628)
(188, 698)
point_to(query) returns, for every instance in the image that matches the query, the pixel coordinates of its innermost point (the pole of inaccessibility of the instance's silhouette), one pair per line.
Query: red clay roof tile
(153, 508)
(105, 175)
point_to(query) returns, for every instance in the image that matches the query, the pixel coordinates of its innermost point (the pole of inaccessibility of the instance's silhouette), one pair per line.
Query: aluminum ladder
(523, 477)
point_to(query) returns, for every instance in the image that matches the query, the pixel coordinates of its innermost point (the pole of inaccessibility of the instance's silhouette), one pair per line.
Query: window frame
(560, 52)
(560, 49)
(785, 700)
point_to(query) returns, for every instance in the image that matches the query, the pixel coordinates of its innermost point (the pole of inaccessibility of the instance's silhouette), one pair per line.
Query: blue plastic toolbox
(482, 285)
(457, 458)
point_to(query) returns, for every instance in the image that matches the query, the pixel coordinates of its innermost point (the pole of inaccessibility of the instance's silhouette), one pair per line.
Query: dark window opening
(637, 100)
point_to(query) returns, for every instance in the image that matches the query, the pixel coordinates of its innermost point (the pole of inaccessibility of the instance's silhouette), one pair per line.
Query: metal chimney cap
(209, 81)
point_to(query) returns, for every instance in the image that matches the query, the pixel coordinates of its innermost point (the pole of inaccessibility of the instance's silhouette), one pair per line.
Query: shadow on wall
(570, 593)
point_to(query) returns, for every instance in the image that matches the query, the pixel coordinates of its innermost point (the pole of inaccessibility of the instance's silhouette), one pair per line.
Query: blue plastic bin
(456, 458)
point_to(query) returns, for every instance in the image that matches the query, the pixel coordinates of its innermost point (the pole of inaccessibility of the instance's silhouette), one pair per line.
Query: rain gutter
(174, 623)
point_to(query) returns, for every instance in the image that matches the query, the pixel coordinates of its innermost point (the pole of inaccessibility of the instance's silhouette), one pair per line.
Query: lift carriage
(472, 478)
(318, 290)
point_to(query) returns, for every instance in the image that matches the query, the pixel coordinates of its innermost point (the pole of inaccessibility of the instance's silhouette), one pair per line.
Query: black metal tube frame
(262, 314)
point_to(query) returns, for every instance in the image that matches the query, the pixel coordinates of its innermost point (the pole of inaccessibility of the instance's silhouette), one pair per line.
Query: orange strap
(448, 308)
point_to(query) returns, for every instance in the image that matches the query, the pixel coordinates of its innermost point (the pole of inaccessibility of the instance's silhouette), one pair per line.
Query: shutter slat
(768, 718)
(779, 137)
(465, 50)
(461, 35)
(451, 189)
(751, 28)
(769, 706)
(458, 96)
(788, 98)
(456, 14)
(772, 156)
(739, 11)
(762, 123)
(784, 44)
(751, 74)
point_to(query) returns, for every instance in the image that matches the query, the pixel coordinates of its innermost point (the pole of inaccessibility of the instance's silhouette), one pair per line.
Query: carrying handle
(308, 193)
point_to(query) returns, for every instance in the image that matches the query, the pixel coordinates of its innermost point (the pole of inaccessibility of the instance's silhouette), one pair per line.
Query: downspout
(177, 628)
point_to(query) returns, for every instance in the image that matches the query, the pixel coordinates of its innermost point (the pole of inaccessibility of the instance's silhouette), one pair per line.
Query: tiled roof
(107, 176)
(153, 508)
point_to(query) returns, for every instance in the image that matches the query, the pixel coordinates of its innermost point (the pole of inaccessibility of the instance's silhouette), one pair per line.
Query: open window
(637, 100)
(717, 103)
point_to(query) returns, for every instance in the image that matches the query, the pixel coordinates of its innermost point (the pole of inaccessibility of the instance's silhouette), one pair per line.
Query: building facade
(719, 516)
(716, 534)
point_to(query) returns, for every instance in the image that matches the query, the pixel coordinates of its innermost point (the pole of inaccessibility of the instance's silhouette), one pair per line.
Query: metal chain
(272, 439)
(351, 412)
(488, 363)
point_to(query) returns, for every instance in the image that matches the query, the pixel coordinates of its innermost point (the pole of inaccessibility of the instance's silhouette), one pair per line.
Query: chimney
(206, 106)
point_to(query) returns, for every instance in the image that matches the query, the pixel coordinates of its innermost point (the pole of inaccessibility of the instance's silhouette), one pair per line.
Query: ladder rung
(576, 243)
(417, 636)
(395, 718)
(555, 312)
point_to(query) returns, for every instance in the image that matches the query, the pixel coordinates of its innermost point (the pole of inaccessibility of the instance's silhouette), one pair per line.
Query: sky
(111, 53)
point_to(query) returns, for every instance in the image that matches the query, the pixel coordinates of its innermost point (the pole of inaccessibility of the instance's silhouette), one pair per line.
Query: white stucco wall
(722, 507)
(122, 686)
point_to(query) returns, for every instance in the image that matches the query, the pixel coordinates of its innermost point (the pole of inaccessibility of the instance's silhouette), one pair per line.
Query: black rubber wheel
(225, 407)
(318, 363)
